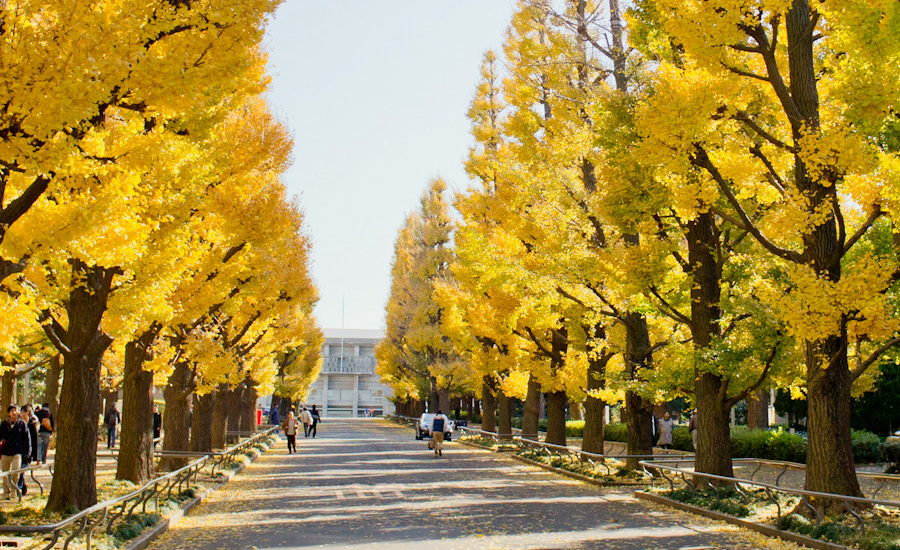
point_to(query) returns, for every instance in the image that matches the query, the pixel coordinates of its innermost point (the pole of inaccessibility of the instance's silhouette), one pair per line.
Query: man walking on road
(111, 420)
(437, 432)
(14, 444)
(314, 415)
(44, 432)
(306, 419)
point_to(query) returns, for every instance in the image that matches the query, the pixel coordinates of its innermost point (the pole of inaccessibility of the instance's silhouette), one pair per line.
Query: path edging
(567, 473)
(574, 475)
(763, 528)
(144, 540)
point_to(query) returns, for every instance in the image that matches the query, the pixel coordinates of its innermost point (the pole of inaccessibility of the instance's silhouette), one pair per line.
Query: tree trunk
(575, 412)
(83, 345)
(531, 412)
(136, 440)
(713, 453)
(830, 466)
(488, 404)
(220, 416)
(476, 407)
(235, 399)
(51, 387)
(6, 392)
(556, 417)
(444, 401)
(638, 411)
(470, 407)
(248, 407)
(177, 420)
(434, 400)
(77, 427)
(758, 410)
(202, 422)
(594, 419)
(284, 407)
(504, 415)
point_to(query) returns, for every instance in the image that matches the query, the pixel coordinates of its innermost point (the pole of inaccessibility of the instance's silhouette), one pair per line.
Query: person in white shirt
(438, 426)
(306, 419)
(290, 426)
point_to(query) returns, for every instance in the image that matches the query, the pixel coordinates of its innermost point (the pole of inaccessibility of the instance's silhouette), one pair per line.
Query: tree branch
(861, 367)
(701, 159)
(762, 378)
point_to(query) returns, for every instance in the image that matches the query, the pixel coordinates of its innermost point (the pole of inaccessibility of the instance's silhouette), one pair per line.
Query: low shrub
(616, 431)
(890, 451)
(681, 439)
(866, 446)
(131, 528)
(575, 428)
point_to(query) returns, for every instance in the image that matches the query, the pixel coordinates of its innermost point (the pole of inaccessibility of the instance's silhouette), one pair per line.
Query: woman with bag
(290, 426)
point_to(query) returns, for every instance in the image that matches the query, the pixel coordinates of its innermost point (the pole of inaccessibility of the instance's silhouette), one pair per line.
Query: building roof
(353, 334)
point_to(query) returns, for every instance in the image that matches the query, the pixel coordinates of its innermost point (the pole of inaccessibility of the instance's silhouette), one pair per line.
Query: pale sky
(376, 94)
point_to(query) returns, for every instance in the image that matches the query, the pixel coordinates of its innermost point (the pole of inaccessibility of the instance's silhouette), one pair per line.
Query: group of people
(666, 425)
(113, 418)
(308, 418)
(24, 439)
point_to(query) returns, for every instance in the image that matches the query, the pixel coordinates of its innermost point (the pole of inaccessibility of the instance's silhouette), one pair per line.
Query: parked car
(423, 427)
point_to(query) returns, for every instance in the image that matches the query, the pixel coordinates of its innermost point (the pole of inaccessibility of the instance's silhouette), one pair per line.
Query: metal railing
(123, 508)
(814, 501)
(495, 437)
(31, 469)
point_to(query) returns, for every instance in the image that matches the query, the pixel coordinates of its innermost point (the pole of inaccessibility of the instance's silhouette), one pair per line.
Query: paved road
(367, 484)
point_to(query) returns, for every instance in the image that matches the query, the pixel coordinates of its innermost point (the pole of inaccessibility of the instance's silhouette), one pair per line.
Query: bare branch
(862, 367)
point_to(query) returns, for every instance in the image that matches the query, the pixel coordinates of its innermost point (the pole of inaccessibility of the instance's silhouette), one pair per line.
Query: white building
(348, 385)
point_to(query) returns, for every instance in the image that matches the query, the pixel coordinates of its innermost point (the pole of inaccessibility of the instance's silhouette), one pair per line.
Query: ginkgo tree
(415, 355)
(786, 110)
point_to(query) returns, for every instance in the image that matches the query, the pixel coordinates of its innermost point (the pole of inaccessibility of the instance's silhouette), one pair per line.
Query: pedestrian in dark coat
(45, 431)
(15, 443)
(157, 424)
(30, 420)
(315, 421)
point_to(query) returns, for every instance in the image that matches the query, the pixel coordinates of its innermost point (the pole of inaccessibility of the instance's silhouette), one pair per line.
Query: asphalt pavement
(368, 484)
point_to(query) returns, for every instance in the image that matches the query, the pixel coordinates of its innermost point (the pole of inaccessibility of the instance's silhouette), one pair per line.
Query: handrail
(113, 509)
(808, 498)
(30, 468)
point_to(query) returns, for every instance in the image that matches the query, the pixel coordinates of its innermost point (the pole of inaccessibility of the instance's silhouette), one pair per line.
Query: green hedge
(775, 444)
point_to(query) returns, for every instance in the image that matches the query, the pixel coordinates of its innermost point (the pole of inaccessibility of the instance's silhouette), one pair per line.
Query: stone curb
(555, 470)
(575, 475)
(144, 540)
(763, 528)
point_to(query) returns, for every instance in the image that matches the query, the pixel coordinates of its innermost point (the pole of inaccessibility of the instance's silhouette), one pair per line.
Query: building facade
(348, 385)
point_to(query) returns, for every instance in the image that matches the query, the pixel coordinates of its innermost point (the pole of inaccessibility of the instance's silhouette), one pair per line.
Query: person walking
(666, 425)
(437, 432)
(45, 431)
(30, 420)
(157, 424)
(290, 426)
(111, 420)
(306, 419)
(692, 427)
(14, 444)
(314, 414)
(273, 416)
